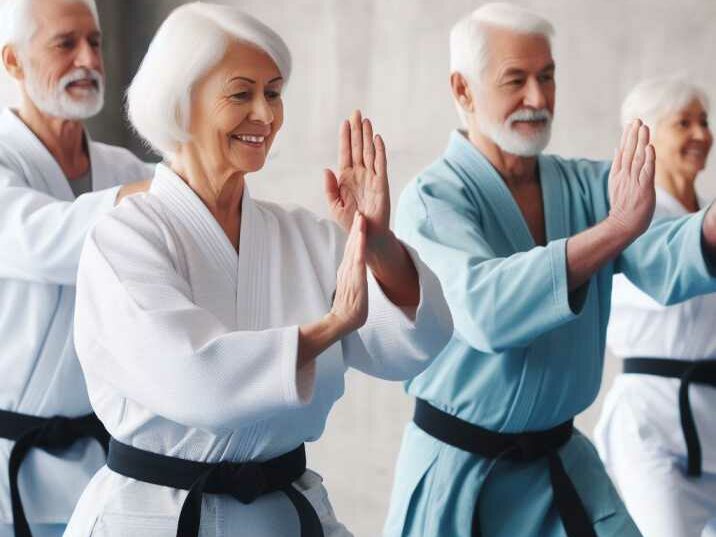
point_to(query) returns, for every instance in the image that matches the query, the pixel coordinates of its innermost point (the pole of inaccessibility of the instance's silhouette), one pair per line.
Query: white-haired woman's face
(683, 139)
(236, 110)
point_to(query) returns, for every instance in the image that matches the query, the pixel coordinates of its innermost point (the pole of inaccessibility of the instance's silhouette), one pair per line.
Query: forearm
(41, 237)
(590, 250)
(395, 271)
(316, 337)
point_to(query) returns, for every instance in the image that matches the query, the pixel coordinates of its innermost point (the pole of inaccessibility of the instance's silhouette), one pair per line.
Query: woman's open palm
(362, 182)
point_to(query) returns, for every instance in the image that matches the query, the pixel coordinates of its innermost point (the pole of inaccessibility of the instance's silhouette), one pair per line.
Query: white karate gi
(42, 229)
(190, 351)
(639, 434)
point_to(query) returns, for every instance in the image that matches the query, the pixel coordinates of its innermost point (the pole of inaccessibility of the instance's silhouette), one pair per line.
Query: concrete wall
(389, 57)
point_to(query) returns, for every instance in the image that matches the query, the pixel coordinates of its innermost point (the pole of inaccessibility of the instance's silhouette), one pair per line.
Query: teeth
(250, 139)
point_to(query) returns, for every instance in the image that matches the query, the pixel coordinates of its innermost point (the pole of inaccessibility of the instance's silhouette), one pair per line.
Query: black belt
(522, 447)
(28, 432)
(244, 481)
(700, 372)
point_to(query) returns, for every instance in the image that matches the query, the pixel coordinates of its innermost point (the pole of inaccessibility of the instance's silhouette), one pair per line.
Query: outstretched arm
(632, 199)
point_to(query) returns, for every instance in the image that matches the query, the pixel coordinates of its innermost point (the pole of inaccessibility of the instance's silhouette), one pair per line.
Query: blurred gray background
(390, 59)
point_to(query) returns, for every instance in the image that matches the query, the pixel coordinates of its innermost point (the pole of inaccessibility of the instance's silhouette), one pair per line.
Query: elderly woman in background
(656, 436)
(215, 330)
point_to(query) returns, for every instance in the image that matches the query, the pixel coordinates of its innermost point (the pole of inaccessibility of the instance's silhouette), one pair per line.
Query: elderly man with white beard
(525, 246)
(54, 184)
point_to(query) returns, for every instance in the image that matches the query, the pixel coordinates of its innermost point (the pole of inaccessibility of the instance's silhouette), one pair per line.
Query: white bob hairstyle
(468, 37)
(189, 43)
(19, 25)
(655, 98)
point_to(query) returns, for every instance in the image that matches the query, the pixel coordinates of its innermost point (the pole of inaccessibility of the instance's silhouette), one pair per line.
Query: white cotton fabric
(42, 229)
(639, 435)
(190, 350)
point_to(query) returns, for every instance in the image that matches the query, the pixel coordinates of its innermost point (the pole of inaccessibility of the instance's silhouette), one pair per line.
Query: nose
(88, 56)
(701, 133)
(535, 96)
(261, 110)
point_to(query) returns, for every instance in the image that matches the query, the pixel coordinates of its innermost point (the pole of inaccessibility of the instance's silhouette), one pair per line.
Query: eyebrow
(512, 71)
(251, 81)
(72, 33)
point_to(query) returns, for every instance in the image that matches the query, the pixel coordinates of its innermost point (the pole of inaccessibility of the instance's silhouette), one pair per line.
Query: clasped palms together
(359, 199)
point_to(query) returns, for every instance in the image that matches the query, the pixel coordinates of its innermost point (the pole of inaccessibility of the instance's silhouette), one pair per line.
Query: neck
(680, 186)
(514, 170)
(219, 189)
(63, 138)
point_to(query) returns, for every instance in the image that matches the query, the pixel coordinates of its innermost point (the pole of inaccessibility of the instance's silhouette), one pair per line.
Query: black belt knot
(244, 481)
(688, 372)
(532, 446)
(56, 433)
(29, 432)
(519, 447)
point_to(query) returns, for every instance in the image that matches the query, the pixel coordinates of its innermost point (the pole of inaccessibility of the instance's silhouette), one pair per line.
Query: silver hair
(655, 98)
(188, 44)
(18, 26)
(468, 37)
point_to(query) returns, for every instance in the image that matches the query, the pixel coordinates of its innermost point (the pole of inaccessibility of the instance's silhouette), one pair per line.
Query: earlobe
(12, 62)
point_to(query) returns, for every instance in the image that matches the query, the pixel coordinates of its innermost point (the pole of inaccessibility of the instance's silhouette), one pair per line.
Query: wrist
(334, 326)
(383, 250)
(618, 231)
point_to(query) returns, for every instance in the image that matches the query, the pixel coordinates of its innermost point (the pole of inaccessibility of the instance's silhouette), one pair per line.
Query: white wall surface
(390, 58)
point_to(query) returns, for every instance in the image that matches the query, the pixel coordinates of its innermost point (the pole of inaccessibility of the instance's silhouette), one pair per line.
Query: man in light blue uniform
(525, 246)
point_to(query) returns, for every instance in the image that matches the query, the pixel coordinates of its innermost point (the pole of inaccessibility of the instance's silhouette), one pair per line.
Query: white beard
(513, 142)
(57, 101)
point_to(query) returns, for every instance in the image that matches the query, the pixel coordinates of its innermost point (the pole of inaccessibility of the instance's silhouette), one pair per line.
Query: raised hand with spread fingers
(362, 186)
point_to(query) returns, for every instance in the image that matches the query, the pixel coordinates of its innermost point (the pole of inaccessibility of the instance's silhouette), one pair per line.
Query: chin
(251, 166)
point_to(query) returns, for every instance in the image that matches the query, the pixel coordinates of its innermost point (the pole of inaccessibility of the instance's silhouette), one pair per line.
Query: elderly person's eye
(66, 44)
(546, 78)
(272, 95)
(241, 96)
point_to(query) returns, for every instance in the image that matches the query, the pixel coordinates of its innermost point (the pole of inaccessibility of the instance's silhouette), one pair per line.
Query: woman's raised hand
(350, 303)
(362, 182)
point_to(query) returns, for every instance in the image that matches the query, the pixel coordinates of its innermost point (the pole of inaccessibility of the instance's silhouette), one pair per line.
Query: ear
(11, 60)
(461, 92)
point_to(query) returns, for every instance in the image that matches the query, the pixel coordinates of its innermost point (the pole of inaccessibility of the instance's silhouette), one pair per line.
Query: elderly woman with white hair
(656, 434)
(214, 330)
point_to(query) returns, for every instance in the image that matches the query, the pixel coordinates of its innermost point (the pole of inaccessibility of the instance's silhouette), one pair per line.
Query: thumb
(330, 186)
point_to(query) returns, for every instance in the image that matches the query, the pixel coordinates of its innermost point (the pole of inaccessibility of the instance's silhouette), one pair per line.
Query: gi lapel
(253, 270)
(35, 158)
(198, 221)
(478, 171)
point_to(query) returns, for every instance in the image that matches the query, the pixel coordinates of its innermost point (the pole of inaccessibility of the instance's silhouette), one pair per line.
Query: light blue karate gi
(526, 354)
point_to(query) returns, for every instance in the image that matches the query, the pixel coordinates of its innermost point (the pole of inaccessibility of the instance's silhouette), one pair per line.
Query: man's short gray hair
(653, 99)
(188, 44)
(468, 37)
(18, 26)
